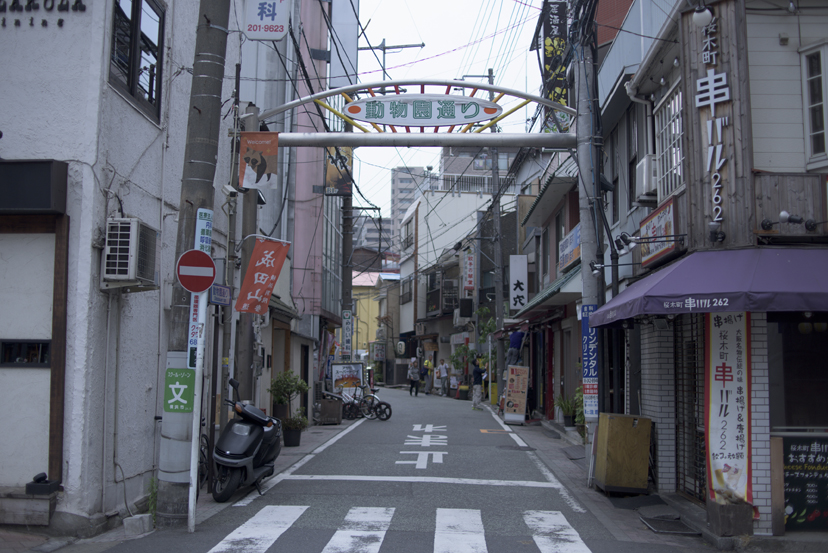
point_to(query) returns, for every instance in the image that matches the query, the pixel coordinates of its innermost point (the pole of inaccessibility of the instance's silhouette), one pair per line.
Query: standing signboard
(517, 388)
(806, 482)
(727, 398)
(589, 354)
(518, 282)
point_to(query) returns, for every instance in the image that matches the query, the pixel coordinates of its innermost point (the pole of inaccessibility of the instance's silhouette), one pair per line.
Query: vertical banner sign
(806, 482)
(262, 273)
(517, 386)
(338, 171)
(727, 397)
(589, 354)
(347, 333)
(468, 271)
(259, 159)
(203, 242)
(554, 68)
(518, 280)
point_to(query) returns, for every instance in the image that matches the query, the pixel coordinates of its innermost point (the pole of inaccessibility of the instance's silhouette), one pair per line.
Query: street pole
(196, 194)
(384, 48)
(498, 258)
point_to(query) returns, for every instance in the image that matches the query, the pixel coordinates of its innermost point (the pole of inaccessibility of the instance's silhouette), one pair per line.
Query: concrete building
(406, 184)
(370, 232)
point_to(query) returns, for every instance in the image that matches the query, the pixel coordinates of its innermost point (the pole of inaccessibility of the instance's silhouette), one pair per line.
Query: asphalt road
(437, 476)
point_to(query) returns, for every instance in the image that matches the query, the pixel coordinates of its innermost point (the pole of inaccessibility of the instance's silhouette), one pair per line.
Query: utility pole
(196, 194)
(383, 47)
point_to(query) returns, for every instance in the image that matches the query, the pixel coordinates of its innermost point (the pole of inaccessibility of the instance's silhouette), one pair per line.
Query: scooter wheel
(226, 483)
(383, 411)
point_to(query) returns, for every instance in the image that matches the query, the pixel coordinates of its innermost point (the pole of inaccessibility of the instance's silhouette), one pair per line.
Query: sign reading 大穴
(422, 110)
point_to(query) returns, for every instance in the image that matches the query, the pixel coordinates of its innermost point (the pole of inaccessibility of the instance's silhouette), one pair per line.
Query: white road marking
(425, 480)
(574, 505)
(362, 532)
(258, 534)
(428, 428)
(427, 440)
(459, 531)
(505, 427)
(553, 533)
(422, 458)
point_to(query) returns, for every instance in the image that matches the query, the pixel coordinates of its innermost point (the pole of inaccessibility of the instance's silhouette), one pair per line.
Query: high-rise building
(370, 232)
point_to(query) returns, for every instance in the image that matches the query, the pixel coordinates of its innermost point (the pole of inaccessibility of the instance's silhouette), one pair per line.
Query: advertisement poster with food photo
(727, 396)
(517, 386)
(659, 224)
(346, 375)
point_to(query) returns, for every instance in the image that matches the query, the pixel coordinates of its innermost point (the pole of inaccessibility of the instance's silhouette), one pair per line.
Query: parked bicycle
(362, 404)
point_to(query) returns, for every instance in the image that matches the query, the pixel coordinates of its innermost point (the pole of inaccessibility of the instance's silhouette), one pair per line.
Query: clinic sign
(422, 110)
(266, 20)
(589, 354)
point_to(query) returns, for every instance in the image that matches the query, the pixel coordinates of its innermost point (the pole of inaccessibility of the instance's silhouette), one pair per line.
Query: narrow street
(437, 476)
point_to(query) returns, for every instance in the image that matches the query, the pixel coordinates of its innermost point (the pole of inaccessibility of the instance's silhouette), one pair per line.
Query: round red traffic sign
(196, 271)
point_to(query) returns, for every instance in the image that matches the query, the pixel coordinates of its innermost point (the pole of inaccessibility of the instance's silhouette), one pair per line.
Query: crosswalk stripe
(459, 531)
(553, 533)
(362, 532)
(258, 534)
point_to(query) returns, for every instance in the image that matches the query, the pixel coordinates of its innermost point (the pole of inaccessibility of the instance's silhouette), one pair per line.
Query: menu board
(806, 483)
(517, 386)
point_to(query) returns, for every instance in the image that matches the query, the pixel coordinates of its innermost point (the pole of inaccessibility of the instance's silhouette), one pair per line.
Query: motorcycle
(246, 449)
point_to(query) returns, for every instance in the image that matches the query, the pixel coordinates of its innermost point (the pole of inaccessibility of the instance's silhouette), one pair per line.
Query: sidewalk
(14, 540)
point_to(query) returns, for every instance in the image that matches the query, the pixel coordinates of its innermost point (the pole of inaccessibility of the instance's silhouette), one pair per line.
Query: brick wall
(760, 422)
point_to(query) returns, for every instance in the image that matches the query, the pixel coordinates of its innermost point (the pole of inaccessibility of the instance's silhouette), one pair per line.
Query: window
(137, 44)
(24, 353)
(545, 251)
(408, 234)
(669, 157)
(560, 233)
(405, 291)
(406, 190)
(632, 144)
(406, 181)
(814, 75)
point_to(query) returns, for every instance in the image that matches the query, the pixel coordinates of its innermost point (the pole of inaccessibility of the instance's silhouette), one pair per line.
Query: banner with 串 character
(727, 397)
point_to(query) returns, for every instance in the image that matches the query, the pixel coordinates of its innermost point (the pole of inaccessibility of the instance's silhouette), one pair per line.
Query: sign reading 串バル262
(422, 110)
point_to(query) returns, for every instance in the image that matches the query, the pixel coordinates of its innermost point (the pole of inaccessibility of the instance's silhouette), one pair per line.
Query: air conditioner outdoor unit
(646, 176)
(458, 320)
(131, 255)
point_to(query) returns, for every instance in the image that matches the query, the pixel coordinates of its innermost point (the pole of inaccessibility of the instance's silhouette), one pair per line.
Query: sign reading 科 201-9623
(266, 20)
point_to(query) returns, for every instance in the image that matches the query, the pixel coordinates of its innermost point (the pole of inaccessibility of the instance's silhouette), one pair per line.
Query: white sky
(462, 37)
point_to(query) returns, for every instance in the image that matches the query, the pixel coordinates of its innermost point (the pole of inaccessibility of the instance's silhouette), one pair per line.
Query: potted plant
(567, 406)
(580, 420)
(284, 389)
(292, 427)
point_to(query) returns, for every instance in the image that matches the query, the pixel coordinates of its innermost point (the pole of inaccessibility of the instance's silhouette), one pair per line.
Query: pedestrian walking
(477, 384)
(413, 377)
(444, 377)
(429, 370)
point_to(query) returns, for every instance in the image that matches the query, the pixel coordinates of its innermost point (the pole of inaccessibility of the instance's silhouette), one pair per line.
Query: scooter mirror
(235, 384)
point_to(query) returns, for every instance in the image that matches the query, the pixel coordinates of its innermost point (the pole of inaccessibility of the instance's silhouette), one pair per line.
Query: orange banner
(258, 159)
(261, 276)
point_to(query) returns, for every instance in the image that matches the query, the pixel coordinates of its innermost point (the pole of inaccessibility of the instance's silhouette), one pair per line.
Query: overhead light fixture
(702, 16)
(676, 62)
(785, 217)
(791, 7)
(716, 234)
(596, 267)
(811, 225)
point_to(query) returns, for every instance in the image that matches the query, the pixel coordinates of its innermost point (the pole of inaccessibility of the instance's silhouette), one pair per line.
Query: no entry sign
(196, 271)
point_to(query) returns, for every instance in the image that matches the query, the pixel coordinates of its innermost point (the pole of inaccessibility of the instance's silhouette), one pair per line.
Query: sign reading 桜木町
(422, 110)
(727, 398)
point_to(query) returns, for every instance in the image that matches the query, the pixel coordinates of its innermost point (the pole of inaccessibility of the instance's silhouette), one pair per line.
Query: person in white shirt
(443, 370)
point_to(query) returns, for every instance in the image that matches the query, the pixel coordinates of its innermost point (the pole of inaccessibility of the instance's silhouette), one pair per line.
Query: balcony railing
(473, 183)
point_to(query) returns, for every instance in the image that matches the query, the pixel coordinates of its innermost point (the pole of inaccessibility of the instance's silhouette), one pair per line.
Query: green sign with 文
(179, 385)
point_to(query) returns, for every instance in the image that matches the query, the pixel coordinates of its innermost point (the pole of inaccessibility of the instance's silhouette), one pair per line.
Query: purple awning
(758, 279)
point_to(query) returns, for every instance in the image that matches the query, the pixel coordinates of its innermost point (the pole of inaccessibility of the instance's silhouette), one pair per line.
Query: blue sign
(220, 295)
(589, 354)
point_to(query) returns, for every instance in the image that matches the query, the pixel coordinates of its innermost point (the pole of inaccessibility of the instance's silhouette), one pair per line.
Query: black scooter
(246, 449)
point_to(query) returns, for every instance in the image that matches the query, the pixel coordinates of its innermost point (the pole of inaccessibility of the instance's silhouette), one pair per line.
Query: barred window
(669, 156)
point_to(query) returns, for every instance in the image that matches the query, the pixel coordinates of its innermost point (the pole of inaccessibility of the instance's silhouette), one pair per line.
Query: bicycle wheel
(383, 410)
(203, 463)
(368, 407)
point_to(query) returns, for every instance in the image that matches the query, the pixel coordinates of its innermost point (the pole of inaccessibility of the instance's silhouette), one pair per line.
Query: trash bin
(464, 393)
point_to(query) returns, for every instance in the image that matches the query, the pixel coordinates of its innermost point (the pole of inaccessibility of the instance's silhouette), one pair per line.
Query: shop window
(797, 349)
(24, 353)
(137, 44)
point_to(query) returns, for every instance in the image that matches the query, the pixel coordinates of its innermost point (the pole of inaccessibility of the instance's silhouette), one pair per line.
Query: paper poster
(517, 387)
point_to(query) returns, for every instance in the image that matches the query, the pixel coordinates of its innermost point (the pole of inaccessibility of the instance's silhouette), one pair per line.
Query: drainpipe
(633, 94)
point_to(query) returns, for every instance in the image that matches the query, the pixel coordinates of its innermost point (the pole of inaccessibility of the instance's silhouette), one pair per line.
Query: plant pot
(569, 421)
(292, 436)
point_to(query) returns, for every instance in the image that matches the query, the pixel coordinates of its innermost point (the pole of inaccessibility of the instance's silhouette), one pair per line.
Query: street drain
(516, 447)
